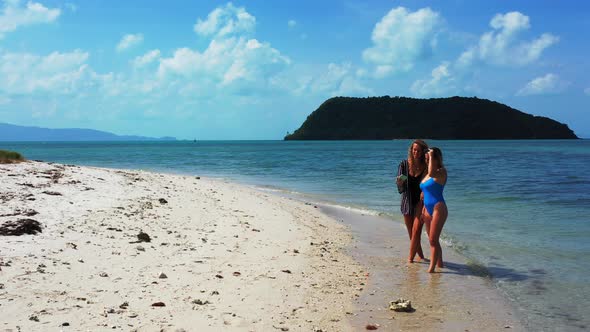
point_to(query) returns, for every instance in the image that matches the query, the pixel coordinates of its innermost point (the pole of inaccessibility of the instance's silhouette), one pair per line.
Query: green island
(386, 118)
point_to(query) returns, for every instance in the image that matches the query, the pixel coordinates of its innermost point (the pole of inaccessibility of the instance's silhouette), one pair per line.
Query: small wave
(274, 189)
(453, 243)
(308, 198)
(356, 209)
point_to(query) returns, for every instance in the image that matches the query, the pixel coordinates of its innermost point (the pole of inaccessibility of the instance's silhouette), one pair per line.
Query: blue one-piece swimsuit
(433, 193)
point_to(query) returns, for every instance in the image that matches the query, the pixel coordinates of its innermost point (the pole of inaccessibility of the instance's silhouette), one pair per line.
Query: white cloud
(324, 81)
(587, 91)
(331, 78)
(13, 15)
(24, 73)
(547, 84)
(232, 61)
(401, 38)
(129, 41)
(291, 24)
(499, 47)
(350, 86)
(146, 59)
(225, 21)
(441, 82)
(225, 62)
(502, 46)
(180, 63)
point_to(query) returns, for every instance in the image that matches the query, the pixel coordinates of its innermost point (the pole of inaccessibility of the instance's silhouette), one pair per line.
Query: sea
(519, 211)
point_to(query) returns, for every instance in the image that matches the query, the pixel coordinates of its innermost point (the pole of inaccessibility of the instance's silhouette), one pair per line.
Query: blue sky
(256, 69)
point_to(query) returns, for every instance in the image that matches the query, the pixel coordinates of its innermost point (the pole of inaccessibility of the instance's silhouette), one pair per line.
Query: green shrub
(7, 157)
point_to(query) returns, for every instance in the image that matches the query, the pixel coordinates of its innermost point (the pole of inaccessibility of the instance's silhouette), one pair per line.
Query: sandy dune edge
(235, 259)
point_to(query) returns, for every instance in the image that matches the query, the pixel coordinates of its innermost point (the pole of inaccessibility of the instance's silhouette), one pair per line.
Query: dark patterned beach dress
(410, 189)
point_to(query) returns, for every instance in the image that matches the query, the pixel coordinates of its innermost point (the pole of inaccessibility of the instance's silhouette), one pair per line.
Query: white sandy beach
(221, 257)
(235, 258)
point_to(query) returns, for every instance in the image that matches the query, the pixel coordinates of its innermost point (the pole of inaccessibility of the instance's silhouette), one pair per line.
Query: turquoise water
(519, 209)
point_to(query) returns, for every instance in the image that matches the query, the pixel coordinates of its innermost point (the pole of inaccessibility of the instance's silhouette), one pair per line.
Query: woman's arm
(439, 175)
(442, 175)
(400, 183)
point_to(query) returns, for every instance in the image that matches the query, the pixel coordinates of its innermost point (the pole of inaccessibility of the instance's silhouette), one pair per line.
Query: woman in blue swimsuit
(435, 208)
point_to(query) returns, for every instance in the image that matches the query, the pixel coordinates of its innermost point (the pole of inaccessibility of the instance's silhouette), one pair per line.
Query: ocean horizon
(518, 209)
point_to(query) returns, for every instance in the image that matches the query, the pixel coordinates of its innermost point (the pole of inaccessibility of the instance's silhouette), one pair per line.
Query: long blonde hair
(421, 160)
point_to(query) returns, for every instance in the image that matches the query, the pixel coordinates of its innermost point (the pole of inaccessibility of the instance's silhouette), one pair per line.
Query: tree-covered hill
(378, 118)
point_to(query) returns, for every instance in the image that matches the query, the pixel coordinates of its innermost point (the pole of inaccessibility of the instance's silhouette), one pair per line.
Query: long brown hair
(421, 160)
(437, 153)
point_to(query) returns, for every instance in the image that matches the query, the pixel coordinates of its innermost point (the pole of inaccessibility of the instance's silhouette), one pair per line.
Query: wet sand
(456, 299)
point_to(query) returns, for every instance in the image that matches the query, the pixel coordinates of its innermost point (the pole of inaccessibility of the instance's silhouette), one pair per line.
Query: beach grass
(9, 157)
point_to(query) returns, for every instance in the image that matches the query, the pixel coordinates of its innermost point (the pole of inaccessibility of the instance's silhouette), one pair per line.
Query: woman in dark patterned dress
(410, 173)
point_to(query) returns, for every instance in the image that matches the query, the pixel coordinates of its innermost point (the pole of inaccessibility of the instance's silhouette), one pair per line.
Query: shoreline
(345, 298)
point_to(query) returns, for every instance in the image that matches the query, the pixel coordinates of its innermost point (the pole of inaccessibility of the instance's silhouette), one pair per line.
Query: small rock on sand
(143, 237)
(401, 305)
(52, 193)
(20, 227)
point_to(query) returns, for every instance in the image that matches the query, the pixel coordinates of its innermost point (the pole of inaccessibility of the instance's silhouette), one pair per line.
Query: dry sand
(234, 259)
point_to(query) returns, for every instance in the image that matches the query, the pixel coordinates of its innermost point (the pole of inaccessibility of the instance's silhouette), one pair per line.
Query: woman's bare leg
(438, 221)
(426, 219)
(415, 244)
(410, 222)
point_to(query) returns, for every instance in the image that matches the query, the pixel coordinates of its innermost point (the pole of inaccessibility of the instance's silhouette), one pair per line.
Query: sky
(218, 70)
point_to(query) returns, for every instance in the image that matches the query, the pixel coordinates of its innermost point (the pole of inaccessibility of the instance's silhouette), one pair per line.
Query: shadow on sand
(492, 272)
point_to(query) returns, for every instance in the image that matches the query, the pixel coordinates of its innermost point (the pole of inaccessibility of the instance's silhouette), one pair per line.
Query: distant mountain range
(384, 118)
(9, 132)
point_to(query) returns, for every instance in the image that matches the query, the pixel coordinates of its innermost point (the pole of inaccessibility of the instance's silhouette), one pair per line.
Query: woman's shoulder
(437, 173)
